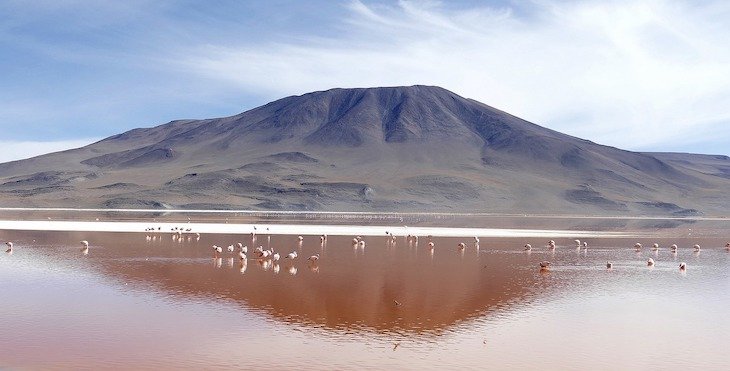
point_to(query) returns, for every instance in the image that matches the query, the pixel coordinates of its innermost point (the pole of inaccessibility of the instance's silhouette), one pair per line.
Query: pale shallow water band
(361, 213)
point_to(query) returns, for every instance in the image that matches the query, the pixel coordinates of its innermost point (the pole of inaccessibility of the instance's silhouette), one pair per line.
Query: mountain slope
(417, 148)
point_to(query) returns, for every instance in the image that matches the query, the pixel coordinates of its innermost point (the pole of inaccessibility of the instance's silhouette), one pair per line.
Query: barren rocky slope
(416, 148)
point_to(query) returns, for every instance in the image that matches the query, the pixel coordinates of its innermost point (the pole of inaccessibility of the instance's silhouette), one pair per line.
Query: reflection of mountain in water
(349, 288)
(378, 288)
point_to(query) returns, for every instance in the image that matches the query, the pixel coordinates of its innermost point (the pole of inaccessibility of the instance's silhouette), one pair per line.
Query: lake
(166, 302)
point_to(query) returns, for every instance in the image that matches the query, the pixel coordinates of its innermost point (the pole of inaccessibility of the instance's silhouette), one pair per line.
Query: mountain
(416, 148)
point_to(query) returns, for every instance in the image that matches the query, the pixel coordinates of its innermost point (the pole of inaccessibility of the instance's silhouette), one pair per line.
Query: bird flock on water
(638, 247)
(269, 258)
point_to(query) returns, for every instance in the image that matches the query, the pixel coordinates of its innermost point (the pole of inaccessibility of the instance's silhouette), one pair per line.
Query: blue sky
(647, 75)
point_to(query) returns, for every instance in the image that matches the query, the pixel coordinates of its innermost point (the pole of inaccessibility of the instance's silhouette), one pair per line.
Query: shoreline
(363, 213)
(294, 229)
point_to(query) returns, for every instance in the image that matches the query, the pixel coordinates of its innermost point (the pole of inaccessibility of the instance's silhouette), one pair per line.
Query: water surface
(135, 302)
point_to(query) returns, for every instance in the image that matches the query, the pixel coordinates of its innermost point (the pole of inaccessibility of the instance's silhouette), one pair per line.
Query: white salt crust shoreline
(292, 229)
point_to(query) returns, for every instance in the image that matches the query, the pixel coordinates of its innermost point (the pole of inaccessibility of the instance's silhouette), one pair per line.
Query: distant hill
(416, 148)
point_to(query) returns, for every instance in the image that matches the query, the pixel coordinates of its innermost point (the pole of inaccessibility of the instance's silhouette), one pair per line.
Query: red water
(133, 303)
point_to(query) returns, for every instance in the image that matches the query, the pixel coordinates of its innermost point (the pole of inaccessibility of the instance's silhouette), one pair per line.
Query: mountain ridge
(416, 148)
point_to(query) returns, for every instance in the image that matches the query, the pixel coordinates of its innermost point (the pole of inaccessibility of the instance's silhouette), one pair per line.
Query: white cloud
(647, 74)
(17, 150)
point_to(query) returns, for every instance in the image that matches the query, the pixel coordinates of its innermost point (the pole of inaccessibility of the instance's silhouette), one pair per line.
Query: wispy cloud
(645, 74)
(642, 75)
(15, 150)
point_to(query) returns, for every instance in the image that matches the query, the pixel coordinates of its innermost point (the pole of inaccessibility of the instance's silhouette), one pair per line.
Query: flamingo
(673, 248)
(650, 262)
(545, 265)
(355, 241)
(85, 247)
(462, 246)
(276, 256)
(609, 265)
(243, 249)
(230, 248)
(292, 255)
(637, 246)
(551, 245)
(217, 250)
(300, 238)
(528, 247)
(431, 245)
(242, 255)
(10, 247)
(313, 258)
(727, 246)
(697, 248)
(655, 246)
(577, 243)
(682, 266)
(476, 240)
(361, 244)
